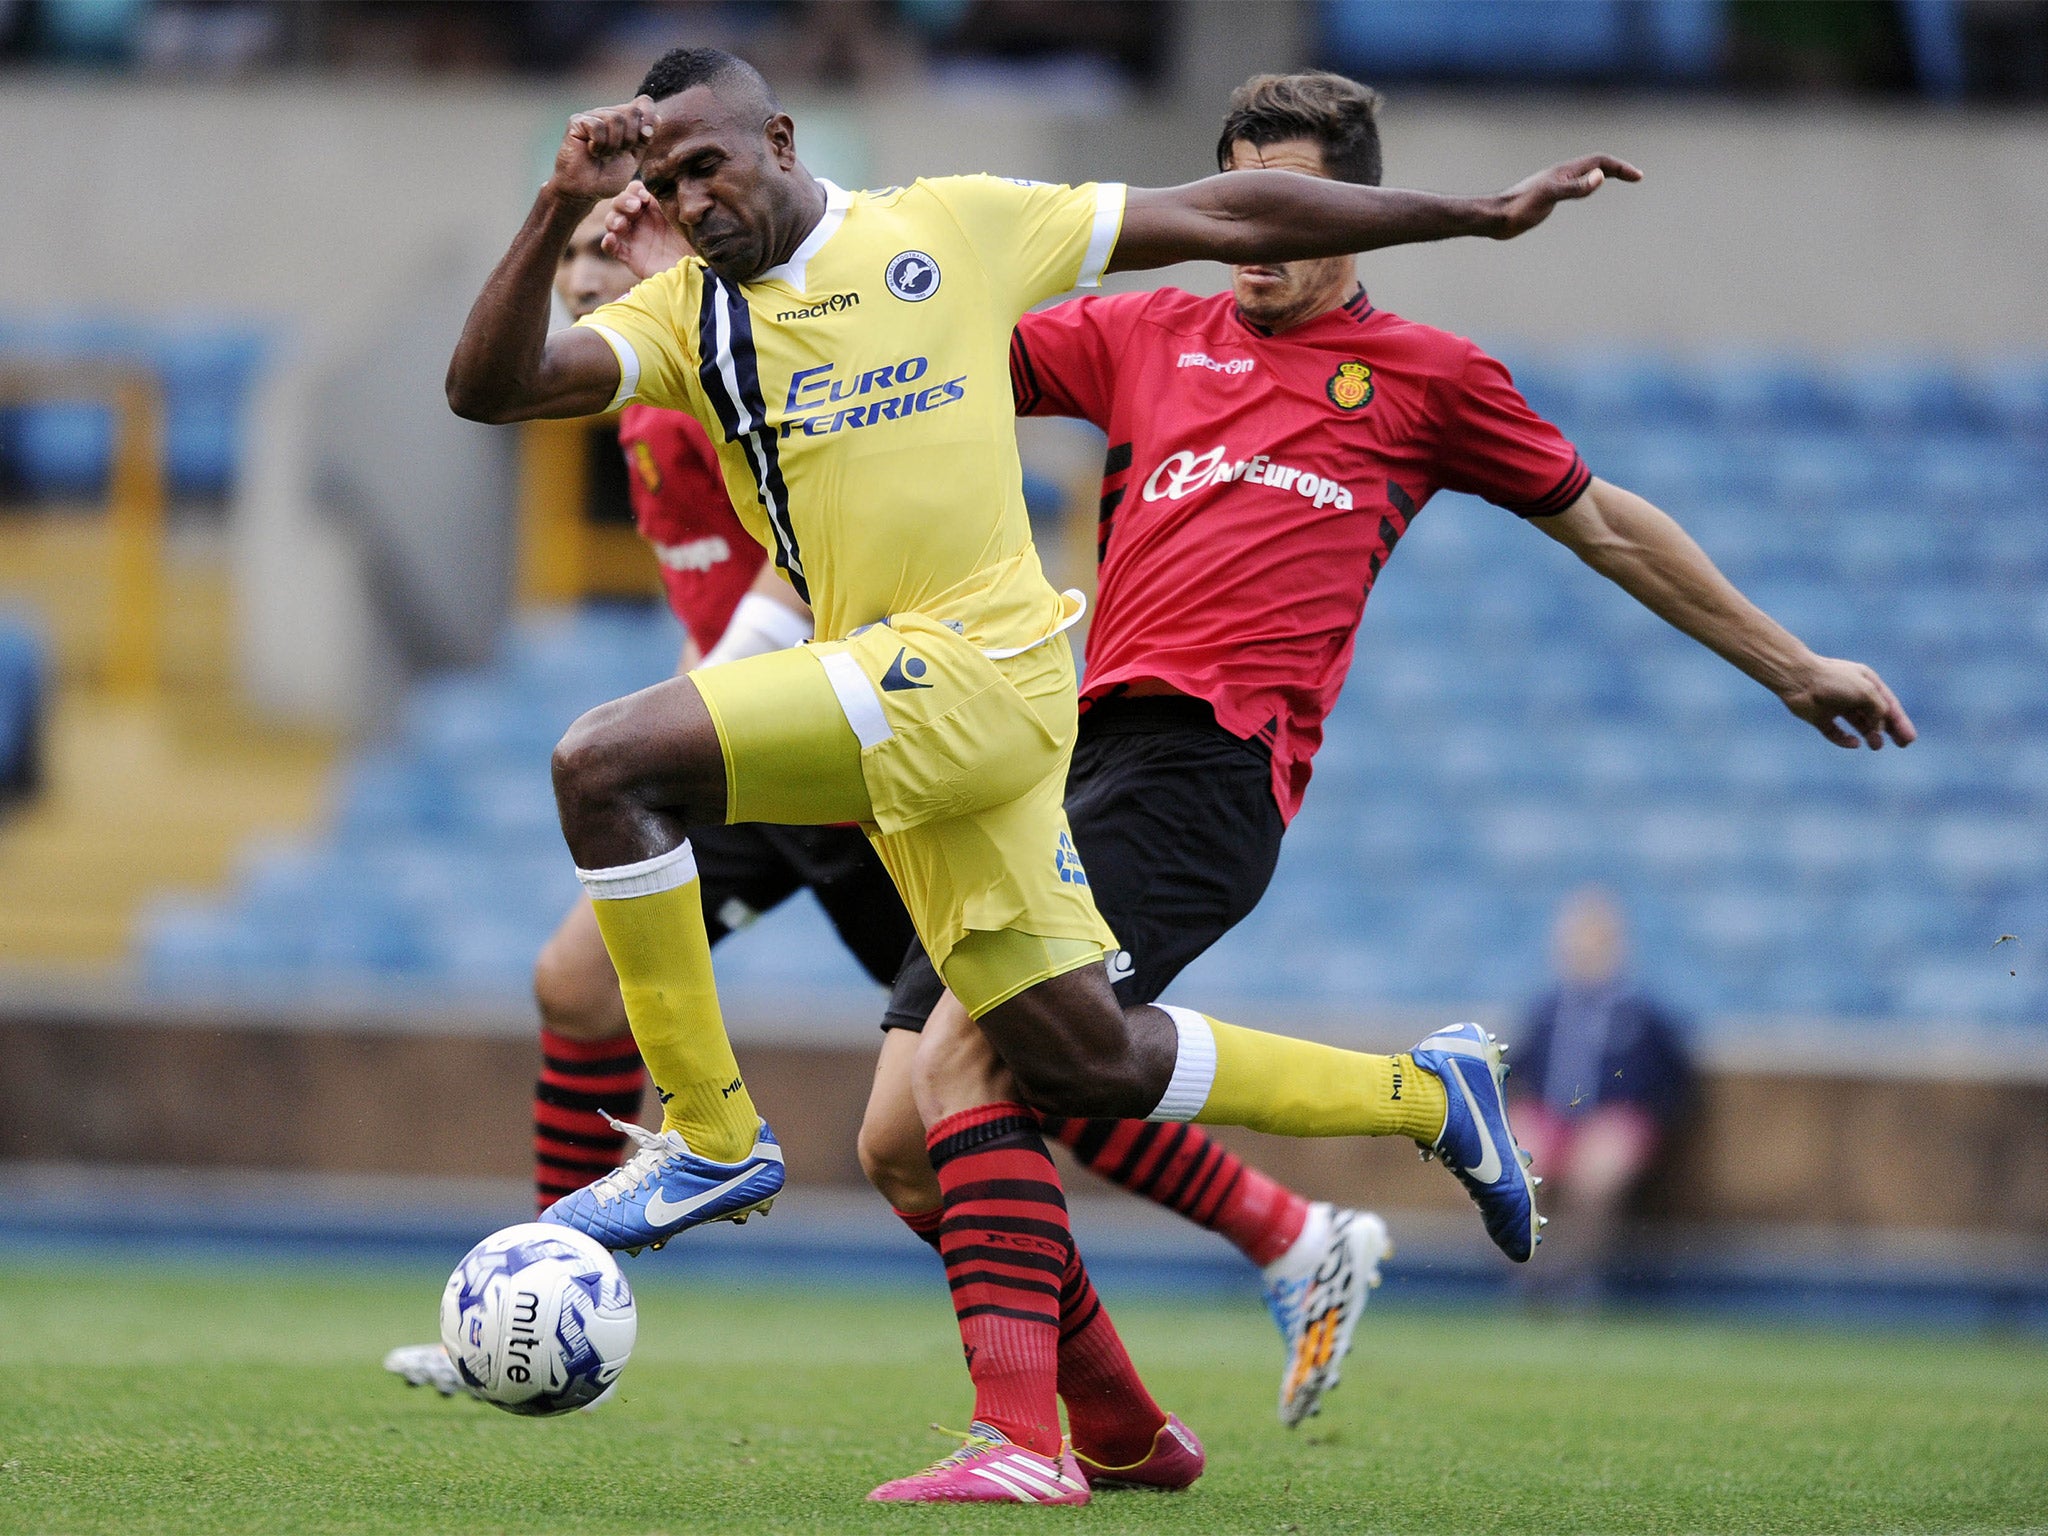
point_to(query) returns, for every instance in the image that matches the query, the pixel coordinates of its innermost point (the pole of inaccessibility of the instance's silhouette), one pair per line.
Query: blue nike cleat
(1477, 1144)
(665, 1188)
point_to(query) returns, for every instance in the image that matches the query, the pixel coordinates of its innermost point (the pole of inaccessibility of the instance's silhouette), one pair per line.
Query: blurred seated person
(1601, 1075)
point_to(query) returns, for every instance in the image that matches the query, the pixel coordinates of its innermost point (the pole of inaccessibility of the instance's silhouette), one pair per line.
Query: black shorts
(750, 869)
(1175, 820)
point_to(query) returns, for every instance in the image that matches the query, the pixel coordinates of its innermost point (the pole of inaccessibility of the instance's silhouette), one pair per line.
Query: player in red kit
(1268, 448)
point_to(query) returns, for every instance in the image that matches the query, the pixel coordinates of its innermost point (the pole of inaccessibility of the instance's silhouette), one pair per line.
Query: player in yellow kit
(848, 352)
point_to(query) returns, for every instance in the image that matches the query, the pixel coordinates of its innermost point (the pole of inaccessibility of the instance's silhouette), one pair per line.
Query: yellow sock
(1297, 1087)
(652, 918)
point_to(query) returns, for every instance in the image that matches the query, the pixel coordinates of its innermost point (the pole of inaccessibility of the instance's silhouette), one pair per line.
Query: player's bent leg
(1061, 1037)
(631, 779)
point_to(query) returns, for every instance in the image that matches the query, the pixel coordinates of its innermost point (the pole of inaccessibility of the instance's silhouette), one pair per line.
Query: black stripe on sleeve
(1569, 488)
(1023, 377)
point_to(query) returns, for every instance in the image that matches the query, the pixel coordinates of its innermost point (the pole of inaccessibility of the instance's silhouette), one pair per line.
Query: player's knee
(589, 763)
(573, 1002)
(1069, 1052)
(1076, 1072)
(896, 1163)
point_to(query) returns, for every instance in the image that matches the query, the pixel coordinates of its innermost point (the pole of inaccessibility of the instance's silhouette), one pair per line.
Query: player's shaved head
(728, 76)
(722, 162)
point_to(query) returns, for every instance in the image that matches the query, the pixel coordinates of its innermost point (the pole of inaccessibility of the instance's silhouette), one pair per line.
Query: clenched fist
(601, 150)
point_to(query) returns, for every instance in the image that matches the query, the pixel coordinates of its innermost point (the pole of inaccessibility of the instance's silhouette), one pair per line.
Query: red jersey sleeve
(1491, 444)
(708, 559)
(1063, 359)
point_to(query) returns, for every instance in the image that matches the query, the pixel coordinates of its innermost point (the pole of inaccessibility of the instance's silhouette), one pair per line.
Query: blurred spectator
(1601, 1074)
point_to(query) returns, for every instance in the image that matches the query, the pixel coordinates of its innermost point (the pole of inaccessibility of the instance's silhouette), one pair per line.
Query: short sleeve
(1034, 239)
(1492, 445)
(1063, 359)
(649, 333)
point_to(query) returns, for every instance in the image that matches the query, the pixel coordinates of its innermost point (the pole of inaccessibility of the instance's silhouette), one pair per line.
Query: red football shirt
(708, 559)
(1256, 483)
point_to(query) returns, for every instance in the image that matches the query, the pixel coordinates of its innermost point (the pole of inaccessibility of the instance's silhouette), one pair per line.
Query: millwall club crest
(912, 276)
(1350, 386)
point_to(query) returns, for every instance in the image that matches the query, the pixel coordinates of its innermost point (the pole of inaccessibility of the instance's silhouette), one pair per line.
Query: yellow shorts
(954, 763)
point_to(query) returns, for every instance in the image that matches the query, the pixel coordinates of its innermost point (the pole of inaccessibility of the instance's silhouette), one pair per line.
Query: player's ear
(780, 132)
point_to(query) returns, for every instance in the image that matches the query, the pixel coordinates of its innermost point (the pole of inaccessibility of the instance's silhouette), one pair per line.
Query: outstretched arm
(506, 366)
(1260, 216)
(1645, 553)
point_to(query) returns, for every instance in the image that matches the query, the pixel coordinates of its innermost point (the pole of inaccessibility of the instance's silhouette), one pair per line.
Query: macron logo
(1204, 360)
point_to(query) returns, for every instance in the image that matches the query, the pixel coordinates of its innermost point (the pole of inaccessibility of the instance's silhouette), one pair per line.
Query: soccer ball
(538, 1319)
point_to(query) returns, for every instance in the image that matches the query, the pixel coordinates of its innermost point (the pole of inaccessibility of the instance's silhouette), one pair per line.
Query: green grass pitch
(250, 1400)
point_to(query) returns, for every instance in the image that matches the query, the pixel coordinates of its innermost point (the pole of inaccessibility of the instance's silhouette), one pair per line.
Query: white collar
(837, 201)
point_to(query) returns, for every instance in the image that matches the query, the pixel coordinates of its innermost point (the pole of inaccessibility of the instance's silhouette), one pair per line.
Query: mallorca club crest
(1350, 387)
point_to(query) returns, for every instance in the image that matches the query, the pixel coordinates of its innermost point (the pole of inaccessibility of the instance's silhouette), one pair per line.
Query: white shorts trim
(1109, 220)
(650, 877)
(1194, 1066)
(857, 696)
(629, 362)
(1074, 604)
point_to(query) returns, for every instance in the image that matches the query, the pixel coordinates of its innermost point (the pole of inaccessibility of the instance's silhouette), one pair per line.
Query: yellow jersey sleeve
(1034, 239)
(652, 332)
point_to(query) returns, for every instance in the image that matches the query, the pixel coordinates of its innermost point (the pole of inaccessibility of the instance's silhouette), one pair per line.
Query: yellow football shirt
(859, 394)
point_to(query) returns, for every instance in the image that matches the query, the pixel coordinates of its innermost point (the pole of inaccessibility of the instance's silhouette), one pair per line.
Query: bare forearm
(1275, 216)
(1253, 216)
(1648, 555)
(498, 371)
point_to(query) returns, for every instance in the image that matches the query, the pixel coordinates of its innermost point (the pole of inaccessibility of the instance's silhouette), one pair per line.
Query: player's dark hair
(681, 68)
(1339, 115)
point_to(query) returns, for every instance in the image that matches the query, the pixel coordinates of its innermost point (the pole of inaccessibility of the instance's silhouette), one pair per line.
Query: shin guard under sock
(1006, 1245)
(652, 917)
(1224, 1075)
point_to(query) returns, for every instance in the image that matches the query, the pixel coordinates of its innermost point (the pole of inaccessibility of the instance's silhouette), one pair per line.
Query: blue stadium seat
(24, 690)
(2011, 393)
(1765, 391)
(205, 370)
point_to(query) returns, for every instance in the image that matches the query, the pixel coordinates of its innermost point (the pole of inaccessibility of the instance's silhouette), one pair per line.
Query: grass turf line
(237, 1400)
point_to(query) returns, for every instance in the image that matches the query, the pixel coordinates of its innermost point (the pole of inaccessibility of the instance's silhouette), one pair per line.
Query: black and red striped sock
(1112, 1415)
(1005, 1241)
(581, 1081)
(1185, 1169)
(1113, 1418)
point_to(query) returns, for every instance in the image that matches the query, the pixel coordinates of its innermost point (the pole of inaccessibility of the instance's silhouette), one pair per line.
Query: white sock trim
(1194, 1067)
(650, 877)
